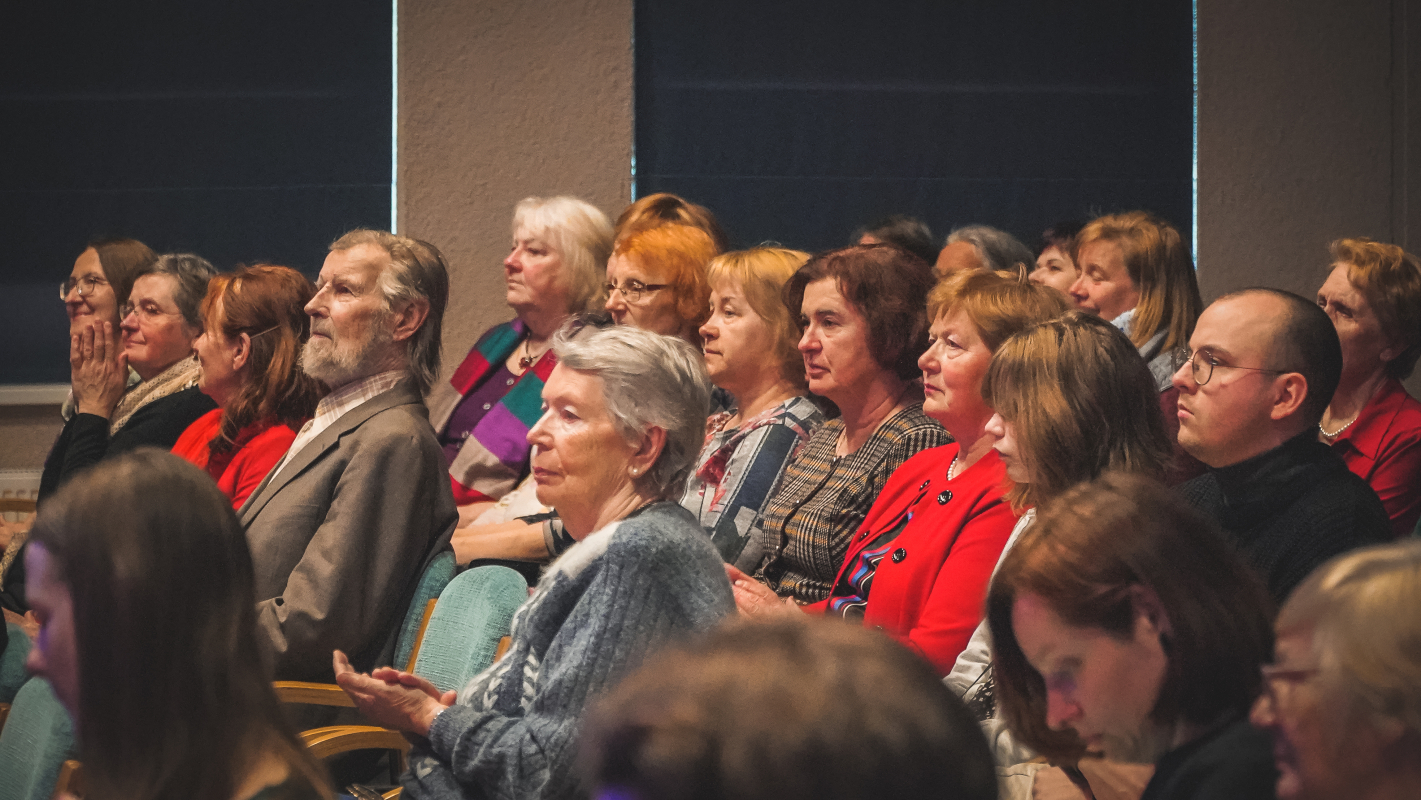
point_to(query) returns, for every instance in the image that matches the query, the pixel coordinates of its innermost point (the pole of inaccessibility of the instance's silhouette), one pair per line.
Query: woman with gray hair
(555, 269)
(158, 325)
(625, 412)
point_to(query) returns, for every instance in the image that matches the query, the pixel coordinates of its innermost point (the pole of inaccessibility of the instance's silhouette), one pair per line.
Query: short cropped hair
(1080, 401)
(190, 273)
(761, 273)
(1159, 264)
(1390, 279)
(1085, 556)
(901, 230)
(663, 208)
(997, 248)
(1366, 643)
(786, 710)
(416, 271)
(580, 233)
(1061, 236)
(887, 286)
(647, 380)
(998, 304)
(123, 260)
(1304, 342)
(679, 254)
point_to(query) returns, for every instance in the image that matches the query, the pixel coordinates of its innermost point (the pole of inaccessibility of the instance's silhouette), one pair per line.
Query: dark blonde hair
(1087, 556)
(679, 255)
(1159, 264)
(761, 273)
(998, 304)
(268, 303)
(1390, 279)
(1080, 400)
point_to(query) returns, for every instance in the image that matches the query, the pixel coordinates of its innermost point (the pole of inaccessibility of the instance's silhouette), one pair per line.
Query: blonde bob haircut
(580, 233)
(1080, 401)
(998, 304)
(761, 273)
(1390, 279)
(1367, 646)
(677, 255)
(1159, 264)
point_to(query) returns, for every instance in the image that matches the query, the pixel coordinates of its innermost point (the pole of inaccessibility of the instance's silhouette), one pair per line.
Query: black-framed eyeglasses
(1202, 366)
(633, 290)
(85, 285)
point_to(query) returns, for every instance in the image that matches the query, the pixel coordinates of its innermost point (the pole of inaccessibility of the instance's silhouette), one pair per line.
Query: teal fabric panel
(37, 738)
(431, 584)
(12, 662)
(473, 613)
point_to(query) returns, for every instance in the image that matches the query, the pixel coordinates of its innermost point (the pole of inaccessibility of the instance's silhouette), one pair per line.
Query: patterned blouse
(823, 498)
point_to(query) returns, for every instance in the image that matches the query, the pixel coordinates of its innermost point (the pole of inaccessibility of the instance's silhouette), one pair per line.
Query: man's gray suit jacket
(340, 535)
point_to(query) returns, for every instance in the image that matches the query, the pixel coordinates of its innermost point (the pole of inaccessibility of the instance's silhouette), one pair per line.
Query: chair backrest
(12, 662)
(37, 738)
(473, 613)
(436, 576)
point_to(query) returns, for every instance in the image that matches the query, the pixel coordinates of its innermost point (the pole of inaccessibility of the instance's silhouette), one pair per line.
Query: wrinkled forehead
(155, 287)
(360, 265)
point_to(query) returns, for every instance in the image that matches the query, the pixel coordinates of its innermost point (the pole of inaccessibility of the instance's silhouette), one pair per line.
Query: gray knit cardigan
(600, 609)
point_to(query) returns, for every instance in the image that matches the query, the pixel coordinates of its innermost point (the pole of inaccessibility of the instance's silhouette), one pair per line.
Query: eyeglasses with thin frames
(145, 313)
(633, 290)
(1275, 674)
(1202, 366)
(84, 285)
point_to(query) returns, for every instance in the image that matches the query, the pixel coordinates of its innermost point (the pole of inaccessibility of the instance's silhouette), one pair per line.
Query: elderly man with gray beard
(342, 527)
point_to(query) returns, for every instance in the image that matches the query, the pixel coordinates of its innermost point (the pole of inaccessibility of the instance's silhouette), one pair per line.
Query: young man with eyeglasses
(1262, 367)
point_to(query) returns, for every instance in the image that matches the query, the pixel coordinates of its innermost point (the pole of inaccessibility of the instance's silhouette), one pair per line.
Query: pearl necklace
(953, 465)
(1339, 431)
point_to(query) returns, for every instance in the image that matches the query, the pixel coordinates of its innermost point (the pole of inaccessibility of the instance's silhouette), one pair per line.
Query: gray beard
(337, 363)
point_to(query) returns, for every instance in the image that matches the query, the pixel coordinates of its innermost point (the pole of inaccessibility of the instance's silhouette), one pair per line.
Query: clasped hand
(755, 599)
(392, 698)
(98, 368)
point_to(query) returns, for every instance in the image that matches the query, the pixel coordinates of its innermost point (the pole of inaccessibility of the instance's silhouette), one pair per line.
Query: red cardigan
(1383, 447)
(928, 592)
(239, 472)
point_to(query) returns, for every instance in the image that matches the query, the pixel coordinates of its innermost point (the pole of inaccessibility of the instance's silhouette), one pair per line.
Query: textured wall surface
(498, 101)
(26, 432)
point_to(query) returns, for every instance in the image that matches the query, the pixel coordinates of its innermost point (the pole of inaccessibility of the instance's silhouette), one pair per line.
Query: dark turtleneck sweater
(1290, 509)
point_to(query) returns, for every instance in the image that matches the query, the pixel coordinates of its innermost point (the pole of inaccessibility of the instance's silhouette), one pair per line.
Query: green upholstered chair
(34, 744)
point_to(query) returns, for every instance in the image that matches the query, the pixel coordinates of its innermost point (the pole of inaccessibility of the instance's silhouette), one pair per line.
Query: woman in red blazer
(918, 566)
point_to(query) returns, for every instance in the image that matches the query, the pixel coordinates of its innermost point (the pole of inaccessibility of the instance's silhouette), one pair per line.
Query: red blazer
(1383, 447)
(239, 472)
(929, 590)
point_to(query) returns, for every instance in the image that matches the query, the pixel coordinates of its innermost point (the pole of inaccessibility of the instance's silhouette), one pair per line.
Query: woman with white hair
(555, 269)
(625, 412)
(1342, 697)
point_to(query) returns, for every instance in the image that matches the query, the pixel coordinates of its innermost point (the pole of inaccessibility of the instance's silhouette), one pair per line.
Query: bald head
(1302, 339)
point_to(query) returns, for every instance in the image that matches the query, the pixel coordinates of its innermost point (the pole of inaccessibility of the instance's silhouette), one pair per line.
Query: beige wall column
(499, 101)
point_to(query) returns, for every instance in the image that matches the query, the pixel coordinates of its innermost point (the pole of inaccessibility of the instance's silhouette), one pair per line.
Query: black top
(85, 438)
(1290, 509)
(1232, 762)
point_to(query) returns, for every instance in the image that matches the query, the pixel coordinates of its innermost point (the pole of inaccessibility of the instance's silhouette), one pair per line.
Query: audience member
(159, 323)
(341, 527)
(1124, 625)
(481, 415)
(1342, 698)
(1136, 272)
(983, 247)
(656, 280)
(899, 230)
(1067, 395)
(625, 413)
(864, 326)
(1373, 296)
(928, 545)
(1054, 266)
(785, 711)
(748, 446)
(665, 208)
(1263, 368)
(254, 324)
(142, 585)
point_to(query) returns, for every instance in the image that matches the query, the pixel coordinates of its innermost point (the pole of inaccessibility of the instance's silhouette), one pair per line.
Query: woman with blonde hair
(1373, 296)
(1342, 697)
(751, 353)
(254, 325)
(1136, 273)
